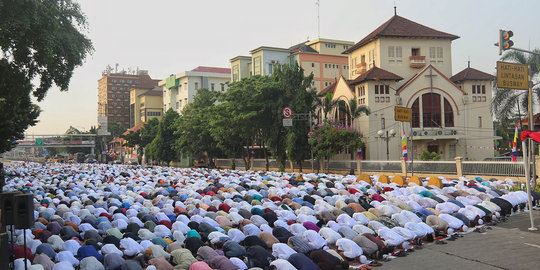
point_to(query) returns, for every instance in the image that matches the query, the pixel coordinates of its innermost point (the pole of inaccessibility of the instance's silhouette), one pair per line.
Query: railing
(499, 168)
(381, 166)
(441, 167)
(417, 61)
(456, 168)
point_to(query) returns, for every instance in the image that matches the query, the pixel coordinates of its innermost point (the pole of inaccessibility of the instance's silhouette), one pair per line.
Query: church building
(404, 63)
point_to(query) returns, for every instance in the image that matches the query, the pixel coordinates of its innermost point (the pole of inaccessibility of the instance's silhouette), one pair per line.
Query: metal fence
(495, 168)
(381, 166)
(499, 168)
(441, 167)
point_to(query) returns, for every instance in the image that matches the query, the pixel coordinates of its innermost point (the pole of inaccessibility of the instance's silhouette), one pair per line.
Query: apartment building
(114, 94)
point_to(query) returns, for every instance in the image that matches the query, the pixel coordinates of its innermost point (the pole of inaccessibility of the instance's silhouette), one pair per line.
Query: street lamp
(386, 135)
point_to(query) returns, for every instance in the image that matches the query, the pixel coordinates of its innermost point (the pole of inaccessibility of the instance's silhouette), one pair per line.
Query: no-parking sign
(287, 112)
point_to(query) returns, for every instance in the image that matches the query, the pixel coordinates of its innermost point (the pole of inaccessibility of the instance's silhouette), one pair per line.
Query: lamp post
(386, 135)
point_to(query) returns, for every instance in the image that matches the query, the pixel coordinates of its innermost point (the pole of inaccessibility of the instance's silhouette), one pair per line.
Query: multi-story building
(144, 105)
(113, 94)
(320, 57)
(179, 90)
(403, 63)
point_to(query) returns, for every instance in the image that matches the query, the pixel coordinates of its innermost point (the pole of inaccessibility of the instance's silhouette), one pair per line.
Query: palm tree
(328, 103)
(504, 103)
(354, 110)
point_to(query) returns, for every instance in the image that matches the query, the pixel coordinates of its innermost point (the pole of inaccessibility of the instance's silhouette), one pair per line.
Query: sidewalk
(510, 245)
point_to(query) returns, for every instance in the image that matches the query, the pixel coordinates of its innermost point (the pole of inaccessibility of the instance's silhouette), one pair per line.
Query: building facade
(145, 105)
(179, 90)
(321, 57)
(403, 63)
(114, 94)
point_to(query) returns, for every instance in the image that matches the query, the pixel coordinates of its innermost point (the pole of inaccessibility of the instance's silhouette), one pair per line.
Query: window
(114, 95)
(122, 81)
(416, 113)
(257, 65)
(431, 110)
(391, 51)
(448, 114)
(483, 89)
(383, 124)
(270, 68)
(415, 52)
(439, 52)
(114, 81)
(345, 47)
(479, 121)
(212, 86)
(196, 86)
(129, 81)
(222, 87)
(312, 64)
(114, 88)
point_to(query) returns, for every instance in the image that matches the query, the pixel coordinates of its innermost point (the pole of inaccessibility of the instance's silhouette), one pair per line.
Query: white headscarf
(130, 246)
(282, 251)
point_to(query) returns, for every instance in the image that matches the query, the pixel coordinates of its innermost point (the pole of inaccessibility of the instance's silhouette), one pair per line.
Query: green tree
(116, 129)
(162, 147)
(39, 41)
(354, 111)
(328, 103)
(297, 94)
(426, 155)
(330, 139)
(244, 110)
(193, 128)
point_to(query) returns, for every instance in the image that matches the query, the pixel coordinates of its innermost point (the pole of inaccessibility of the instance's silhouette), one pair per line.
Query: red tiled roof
(536, 120)
(400, 27)
(212, 69)
(329, 88)
(470, 73)
(376, 74)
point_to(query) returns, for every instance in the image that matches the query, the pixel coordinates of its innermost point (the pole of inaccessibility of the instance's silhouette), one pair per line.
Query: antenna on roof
(469, 62)
(395, 8)
(318, 18)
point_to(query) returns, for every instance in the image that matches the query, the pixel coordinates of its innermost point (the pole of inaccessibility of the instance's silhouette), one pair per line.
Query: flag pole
(527, 183)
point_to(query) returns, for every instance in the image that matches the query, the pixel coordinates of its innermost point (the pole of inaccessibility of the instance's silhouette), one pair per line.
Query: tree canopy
(40, 41)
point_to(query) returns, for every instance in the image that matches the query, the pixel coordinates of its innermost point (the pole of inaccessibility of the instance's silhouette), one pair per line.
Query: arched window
(416, 113)
(448, 114)
(431, 110)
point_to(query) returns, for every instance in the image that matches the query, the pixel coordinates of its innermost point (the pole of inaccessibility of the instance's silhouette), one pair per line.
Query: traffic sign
(39, 141)
(402, 114)
(512, 76)
(287, 112)
(287, 122)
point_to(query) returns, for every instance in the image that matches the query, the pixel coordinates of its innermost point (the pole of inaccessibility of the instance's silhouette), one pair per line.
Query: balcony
(361, 68)
(417, 61)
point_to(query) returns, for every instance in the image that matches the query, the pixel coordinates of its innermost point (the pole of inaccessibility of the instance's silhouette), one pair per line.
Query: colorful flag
(514, 147)
(404, 146)
(359, 154)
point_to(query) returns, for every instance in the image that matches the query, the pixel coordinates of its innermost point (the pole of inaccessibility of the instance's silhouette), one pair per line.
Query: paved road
(510, 245)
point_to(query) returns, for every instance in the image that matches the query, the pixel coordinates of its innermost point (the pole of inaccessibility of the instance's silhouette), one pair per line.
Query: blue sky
(167, 36)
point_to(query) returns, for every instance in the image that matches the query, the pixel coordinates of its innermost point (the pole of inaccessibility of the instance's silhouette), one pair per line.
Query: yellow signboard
(512, 76)
(402, 114)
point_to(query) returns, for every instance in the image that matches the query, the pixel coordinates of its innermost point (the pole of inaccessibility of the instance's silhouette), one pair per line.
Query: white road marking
(532, 245)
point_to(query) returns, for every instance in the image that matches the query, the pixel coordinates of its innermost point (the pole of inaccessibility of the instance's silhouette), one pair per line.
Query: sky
(171, 36)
